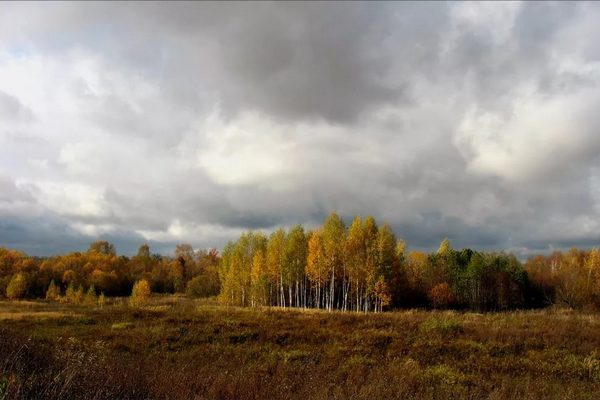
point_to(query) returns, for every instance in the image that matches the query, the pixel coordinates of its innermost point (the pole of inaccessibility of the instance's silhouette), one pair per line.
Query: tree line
(365, 267)
(101, 271)
(361, 267)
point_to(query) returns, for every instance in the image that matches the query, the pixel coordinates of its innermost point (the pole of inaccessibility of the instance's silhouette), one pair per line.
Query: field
(178, 348)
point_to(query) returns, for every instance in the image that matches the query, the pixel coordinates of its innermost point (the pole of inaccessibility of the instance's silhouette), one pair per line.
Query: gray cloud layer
(192, 122)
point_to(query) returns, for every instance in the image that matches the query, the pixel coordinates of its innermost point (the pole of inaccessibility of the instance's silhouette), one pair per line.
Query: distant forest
(363, 267)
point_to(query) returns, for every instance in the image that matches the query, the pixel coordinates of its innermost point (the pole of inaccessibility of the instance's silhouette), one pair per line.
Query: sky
(191, 123)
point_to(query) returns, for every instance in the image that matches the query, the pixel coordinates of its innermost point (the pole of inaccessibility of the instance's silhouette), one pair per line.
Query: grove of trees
(364, 267)
(101, 271)
(361, 267)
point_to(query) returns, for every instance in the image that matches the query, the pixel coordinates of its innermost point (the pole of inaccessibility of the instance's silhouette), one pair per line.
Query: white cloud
(68, 198)
(190, 232)
(540, 137)
(93, 230)
(249, 150)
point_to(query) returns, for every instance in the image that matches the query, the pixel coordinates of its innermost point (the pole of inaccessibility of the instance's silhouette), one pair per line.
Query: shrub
(140, 293)
(90, 296)
(17, 287)
(202, 286)
(53, 292)
(79, 295)
(101, 300)
(70, 294)
(591, 365)
(442, 374)
(442, 326)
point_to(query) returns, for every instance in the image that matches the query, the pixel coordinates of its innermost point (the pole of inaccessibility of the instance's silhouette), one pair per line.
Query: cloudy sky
(173, 123)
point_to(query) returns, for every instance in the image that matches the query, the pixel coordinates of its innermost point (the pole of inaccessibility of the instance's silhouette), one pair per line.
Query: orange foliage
(441, 295)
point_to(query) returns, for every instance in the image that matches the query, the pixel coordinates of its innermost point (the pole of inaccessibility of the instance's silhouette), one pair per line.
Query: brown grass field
(178, 348)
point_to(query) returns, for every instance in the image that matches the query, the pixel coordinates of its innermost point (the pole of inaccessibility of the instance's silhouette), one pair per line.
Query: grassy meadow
(178, 348)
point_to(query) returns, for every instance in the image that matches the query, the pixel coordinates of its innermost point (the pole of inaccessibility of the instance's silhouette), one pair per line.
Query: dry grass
(26, 310)
(35, 314)
(176, 348)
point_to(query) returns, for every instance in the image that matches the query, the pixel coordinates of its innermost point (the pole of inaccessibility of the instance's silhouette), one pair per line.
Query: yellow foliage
(53, 292)
(140, 293)
(17, 287)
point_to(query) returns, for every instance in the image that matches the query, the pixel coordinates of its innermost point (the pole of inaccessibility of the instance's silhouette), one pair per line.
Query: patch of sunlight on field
(24, 310)
(35, 315)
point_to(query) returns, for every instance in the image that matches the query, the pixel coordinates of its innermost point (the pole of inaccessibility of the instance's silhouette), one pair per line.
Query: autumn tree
(140, 264)
(236, 268)
(416, 267)
(334, 237)
(90, 296)
(205, 281)
(386, 251)
(382, 294)
(296, 248)
(276, 264)
(259, 279)
(399, 281)
(386, 264)
(79, 295)
(445, 247)
(144, 251)
(441, 295)
(316, 267)
(102, 247)
(200, 286)
(140, 293)
(53, 292)
(573, 279)
(370, 233)
(592, 267)
(356, 259)
(494, 281)
(70, 293)
(184, 254)
(542, 281)
(227, 274)
(17, 287)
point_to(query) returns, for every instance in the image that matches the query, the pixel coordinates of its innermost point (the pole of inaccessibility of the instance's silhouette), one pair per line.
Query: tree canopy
(362, 266)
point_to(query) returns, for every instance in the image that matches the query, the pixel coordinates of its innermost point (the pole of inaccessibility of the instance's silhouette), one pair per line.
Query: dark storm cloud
(48, 235)
(434, 224)
(191, 122)
(292, 60)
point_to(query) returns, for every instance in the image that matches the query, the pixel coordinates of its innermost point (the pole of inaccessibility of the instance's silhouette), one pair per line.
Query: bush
(202, 286)
(53, 292)
(101, 300)
(140, 293)
(591, 365)
(79, 295)
(441, 326)
(17, 287)
(90, 296)
(70, 294)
